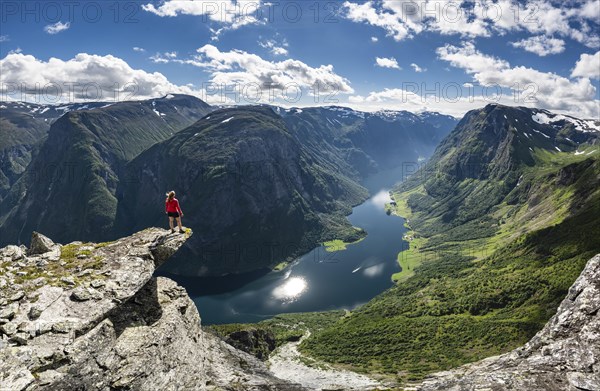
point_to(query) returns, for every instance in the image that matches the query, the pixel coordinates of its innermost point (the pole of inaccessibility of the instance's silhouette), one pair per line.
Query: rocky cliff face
(564, 355)
(91, 316)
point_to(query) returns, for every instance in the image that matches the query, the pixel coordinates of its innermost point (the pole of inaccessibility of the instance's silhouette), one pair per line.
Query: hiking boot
(181, 231)
(172, 231)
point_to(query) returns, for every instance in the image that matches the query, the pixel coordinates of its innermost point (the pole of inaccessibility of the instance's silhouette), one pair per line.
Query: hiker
(173, 211)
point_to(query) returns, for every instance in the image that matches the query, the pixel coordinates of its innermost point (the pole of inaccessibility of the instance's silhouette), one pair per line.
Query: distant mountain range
(252, 180)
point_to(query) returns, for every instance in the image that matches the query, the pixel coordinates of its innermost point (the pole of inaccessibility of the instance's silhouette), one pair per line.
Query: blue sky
(371, 55)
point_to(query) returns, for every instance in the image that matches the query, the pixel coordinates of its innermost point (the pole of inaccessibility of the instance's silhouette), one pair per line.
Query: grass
(338, 245)
(280, 266)
(68, 265)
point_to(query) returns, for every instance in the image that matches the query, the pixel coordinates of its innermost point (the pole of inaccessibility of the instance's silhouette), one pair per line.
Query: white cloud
(232, 14)
(588, 65)
(138, 49)
(276, 49)
(159, 59)
(417, 68)
(83, 77)
(237, 67)
(541, 45)
(163, 58)
(387, 62)
(374, 39)
(368, 13)
(530, 86)
(405, 19)
(4, 38)
(57, 27)
(407, 98)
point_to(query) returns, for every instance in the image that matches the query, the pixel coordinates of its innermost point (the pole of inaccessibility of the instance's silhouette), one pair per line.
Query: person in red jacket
(173, 210)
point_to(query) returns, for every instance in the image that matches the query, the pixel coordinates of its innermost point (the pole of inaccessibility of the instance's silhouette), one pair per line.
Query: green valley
(500, 225)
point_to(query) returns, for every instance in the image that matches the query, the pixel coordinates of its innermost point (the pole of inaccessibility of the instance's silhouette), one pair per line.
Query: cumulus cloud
(588, 65)
(405, 19)
(4, 38)
(417, 68)
(387, 62)
(374, 39)
(541, 45)
(237, 67)
(276, 48)
(138, 49)
(57, 27)
(230, 14)
(530, 86)
(83, 77)
(368, 13)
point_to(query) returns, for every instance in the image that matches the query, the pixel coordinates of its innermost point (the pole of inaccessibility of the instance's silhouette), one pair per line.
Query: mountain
(265, 184)
(68, 189)
(247, 186)
(502, 220)
(23, 127)
(238, 193)
(91, 316)
(368, 141)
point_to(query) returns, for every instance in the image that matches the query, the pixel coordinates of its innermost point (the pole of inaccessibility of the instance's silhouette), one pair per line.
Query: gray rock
(34, 312)
(140, 333)
(9, 312)
(63, 327)
(9, 328)
(68, 280)
(83, 294)
(13, 252)
(97, 284)
(17, 296)
(40, 244)
(20, 338)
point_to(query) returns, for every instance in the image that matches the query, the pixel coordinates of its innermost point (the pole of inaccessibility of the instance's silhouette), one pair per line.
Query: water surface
(318, 280)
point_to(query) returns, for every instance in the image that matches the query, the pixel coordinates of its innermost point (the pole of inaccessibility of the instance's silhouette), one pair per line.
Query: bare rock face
(91, 316)
(563, 356)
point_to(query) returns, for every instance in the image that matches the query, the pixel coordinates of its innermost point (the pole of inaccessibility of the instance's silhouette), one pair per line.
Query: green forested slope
(502, 224)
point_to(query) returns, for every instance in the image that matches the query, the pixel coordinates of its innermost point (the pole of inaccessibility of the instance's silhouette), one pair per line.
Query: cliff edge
(91, 316)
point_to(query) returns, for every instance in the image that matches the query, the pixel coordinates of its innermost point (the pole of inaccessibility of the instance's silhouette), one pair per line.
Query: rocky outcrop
(257, 342)
(91, 316)
(563, 356)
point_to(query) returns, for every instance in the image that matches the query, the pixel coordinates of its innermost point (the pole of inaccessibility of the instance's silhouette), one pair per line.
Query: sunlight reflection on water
(291, 289)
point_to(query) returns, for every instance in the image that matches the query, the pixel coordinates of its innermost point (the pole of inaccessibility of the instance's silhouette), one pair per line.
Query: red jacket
(172, 206)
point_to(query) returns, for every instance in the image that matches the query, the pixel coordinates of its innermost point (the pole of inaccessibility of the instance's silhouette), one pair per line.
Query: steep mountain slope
(502, 224)
(68, 190)
(22, 128)
(564, 355)
(250, 190)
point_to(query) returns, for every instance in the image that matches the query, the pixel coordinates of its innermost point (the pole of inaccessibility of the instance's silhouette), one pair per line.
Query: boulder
(40, 244)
